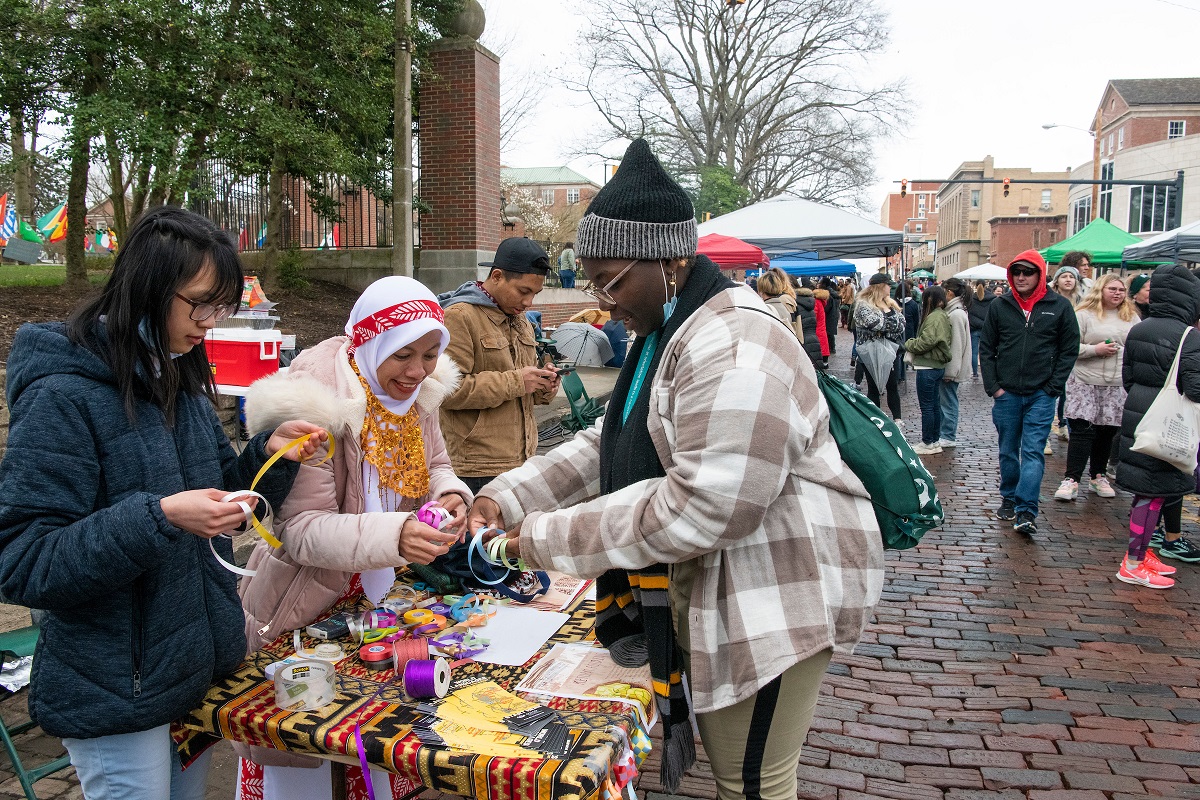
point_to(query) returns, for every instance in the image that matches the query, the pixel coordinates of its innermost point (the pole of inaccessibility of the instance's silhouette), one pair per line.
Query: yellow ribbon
(259, 528)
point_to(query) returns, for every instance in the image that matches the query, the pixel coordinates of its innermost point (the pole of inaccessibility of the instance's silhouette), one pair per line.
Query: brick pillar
(460, 162)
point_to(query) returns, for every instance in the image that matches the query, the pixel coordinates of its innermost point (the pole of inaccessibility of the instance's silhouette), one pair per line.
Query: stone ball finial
(469, 21)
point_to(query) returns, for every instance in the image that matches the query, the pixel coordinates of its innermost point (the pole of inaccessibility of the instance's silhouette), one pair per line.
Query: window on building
(1177, 129)
(1121, 138)
(921, 206)
(974, 198)
(1037, 238)
(1106, 174)
(572, 195)
(1110, 144)
(1081, 214)
(1046, 198)
(1151, 208)
(547, 197)
(1053, 235)
(936, 204)
(920, 228)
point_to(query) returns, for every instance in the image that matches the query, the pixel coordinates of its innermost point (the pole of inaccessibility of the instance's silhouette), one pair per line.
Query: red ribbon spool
(413, 649)
(376, 657)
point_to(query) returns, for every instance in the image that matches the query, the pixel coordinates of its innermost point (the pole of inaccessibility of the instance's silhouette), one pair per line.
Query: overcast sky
(982, 77)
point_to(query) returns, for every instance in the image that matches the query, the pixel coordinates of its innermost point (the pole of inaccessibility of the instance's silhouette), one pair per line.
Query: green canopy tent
(1103, 240)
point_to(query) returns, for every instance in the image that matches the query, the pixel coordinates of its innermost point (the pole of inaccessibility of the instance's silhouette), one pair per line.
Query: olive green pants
(754, 746)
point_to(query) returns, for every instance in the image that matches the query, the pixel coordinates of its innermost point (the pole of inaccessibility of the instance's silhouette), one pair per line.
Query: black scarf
(633, 611)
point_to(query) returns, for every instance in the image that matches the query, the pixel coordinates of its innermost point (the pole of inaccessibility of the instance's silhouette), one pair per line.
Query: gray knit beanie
(640, 213)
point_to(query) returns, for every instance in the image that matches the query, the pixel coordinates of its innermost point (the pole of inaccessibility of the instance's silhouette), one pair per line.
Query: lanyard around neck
(639, 376)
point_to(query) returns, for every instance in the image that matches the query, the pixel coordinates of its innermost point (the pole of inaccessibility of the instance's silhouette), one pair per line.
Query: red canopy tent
(730, 253)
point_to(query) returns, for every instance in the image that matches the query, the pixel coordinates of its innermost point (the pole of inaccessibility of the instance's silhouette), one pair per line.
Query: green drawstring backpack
(902, 490)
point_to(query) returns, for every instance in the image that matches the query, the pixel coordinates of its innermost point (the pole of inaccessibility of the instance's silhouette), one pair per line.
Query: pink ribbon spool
(405, 650)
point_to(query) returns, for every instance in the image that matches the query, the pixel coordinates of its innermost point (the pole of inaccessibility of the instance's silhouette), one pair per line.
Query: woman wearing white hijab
(349, 521)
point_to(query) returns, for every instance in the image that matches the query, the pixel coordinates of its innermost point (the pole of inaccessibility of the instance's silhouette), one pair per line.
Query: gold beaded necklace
(394, 446)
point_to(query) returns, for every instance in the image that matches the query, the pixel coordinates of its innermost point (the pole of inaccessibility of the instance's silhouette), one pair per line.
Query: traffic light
(735, 3)
(707, 216)
(1006, 187)
(903, 186)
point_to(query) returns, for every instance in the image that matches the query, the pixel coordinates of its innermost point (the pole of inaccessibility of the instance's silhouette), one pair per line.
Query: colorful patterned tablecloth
(242, 708)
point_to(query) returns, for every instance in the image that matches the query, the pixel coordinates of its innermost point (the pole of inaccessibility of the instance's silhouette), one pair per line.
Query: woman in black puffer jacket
(806, 316)
(1157, 486)
(976, 314)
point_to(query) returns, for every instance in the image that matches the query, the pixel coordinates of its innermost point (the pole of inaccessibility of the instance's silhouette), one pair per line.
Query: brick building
(967, 211)
(1013, 235)
(916, 216)
(1149, 129)
(561, 191)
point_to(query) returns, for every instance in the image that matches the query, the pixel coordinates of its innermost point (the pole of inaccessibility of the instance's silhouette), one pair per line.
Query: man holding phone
(488, 421)
(1038, 334)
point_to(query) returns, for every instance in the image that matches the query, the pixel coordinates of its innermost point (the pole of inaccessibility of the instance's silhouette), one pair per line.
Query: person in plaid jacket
(730, 541)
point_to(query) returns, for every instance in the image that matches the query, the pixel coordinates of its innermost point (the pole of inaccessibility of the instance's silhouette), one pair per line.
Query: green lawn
(40, 275)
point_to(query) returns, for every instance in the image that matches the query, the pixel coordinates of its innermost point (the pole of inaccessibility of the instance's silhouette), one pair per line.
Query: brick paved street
(997, 667)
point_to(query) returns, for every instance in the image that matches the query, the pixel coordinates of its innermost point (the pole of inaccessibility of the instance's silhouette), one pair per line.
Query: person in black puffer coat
(806, 303)
(976, 314)
(1156, 485)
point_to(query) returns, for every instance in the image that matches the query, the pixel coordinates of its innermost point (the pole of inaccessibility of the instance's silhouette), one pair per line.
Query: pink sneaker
(1142, 575)
(1155, 565)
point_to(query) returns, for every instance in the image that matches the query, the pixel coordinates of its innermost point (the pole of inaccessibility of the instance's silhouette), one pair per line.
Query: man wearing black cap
(488, 421)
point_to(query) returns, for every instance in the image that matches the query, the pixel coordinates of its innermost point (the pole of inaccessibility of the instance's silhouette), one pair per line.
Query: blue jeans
(1022, 423)
(931, 407)
(948, 398)
(133, 766)
(975, 353)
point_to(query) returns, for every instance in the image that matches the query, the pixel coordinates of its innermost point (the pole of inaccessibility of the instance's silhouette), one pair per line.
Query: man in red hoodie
(1038, 335)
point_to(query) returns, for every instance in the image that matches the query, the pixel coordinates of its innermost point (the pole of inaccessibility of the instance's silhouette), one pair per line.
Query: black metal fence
(350, 216)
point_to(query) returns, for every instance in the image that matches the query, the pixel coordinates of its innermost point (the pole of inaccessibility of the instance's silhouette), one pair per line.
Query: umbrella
(983, 272)
(582, 345)
(920, 273)
(879, 357)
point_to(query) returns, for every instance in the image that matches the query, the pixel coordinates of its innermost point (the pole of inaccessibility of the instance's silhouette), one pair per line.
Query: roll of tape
(305, 685)
(326, 651)
(418, 616)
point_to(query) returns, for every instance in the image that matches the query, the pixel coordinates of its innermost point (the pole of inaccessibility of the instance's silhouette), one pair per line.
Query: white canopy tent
(789, 225)
(1180, 244)
(983, 272)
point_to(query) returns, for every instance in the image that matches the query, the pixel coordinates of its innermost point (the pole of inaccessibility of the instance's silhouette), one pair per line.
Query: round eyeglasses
(202, 311)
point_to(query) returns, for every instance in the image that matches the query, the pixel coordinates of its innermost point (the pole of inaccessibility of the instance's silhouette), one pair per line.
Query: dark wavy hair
(164, 250)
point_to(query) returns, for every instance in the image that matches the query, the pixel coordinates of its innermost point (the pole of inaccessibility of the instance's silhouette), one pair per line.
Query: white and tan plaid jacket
(789, 554)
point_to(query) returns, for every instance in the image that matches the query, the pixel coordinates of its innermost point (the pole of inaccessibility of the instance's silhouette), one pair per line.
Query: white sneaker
(1101, 487)
(920, 448)
(1067, 490)
(1064, 433)
(1049, 448)
(947, 443)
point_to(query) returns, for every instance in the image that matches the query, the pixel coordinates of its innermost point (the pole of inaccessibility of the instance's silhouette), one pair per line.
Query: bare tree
(764, 90)
(521, 88)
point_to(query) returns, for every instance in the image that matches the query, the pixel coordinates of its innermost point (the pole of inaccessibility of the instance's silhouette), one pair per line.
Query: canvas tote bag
(1170, 429)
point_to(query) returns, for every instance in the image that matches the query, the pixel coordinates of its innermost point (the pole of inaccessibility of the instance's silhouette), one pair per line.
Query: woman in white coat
(960, 297)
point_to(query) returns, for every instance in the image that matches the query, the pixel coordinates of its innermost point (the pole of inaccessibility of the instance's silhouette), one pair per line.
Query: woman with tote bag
(1150, 351)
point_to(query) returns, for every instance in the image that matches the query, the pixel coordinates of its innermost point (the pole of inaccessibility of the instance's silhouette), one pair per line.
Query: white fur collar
(334, 400)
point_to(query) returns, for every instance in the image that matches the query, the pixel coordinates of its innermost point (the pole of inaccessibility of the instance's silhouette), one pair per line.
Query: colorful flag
(8, 227)
(261, 241)
(243, 238)
(331, 241)
(27, 231)
(54, 225)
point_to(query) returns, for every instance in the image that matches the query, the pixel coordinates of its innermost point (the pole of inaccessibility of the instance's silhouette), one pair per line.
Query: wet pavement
(998, 667)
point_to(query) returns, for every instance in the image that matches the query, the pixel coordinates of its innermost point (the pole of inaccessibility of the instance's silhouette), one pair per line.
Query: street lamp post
(1095, 134)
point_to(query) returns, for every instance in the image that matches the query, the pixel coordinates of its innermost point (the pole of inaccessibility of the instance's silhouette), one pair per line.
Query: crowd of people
(730, 543)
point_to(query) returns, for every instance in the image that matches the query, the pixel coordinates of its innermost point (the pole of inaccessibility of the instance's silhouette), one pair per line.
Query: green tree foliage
(717, 192)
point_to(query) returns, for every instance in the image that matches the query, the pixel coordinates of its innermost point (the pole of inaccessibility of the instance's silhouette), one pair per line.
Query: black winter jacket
(1149, 351)
(142, 617)
(806, 304)
(1022, 356)
(977, 313)
(832, 314)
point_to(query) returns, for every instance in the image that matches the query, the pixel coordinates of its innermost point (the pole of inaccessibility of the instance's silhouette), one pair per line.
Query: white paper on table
(517, 633)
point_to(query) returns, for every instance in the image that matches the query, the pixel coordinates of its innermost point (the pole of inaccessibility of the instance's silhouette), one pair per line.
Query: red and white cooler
(240, 356)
